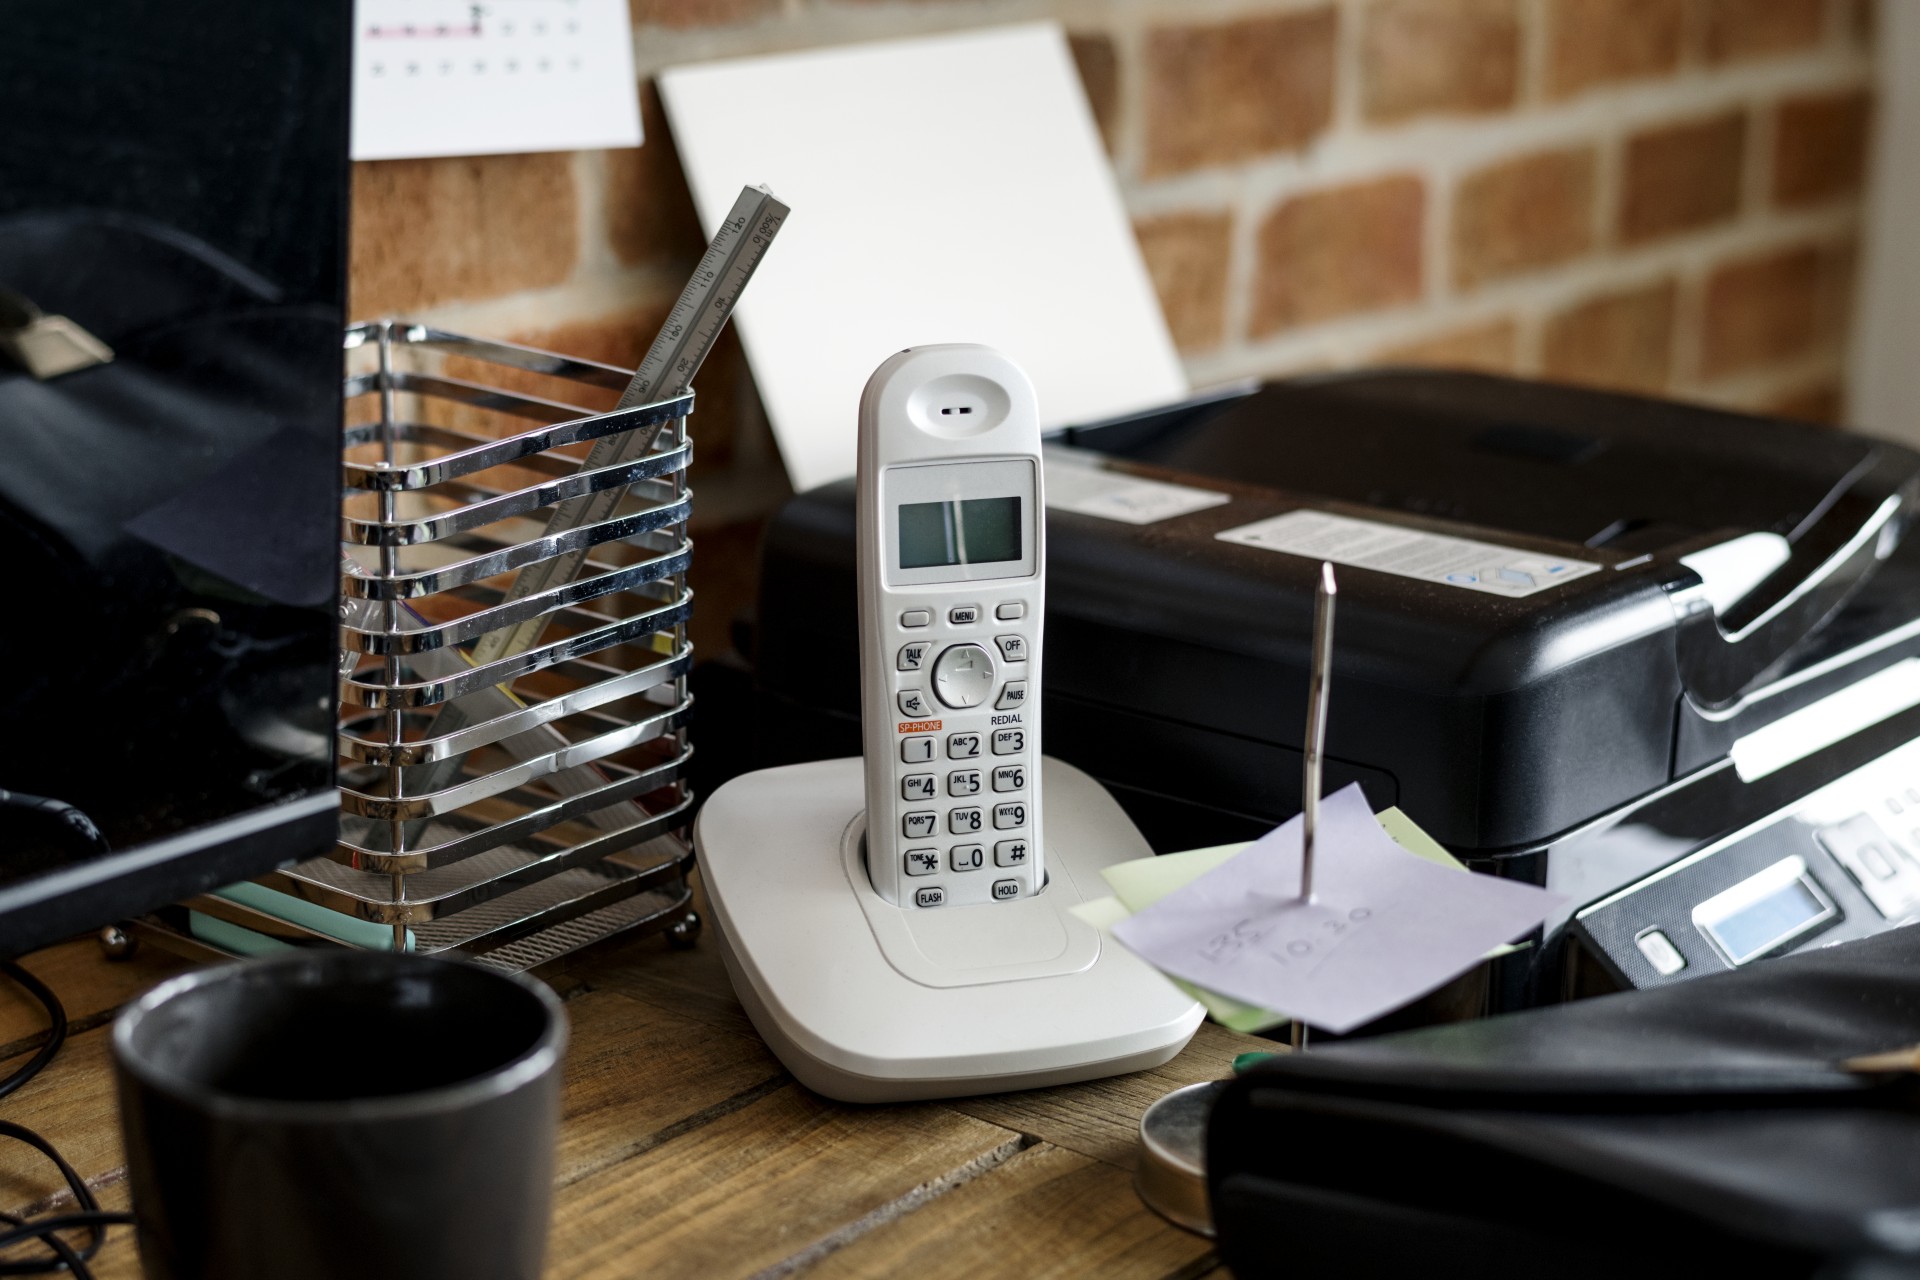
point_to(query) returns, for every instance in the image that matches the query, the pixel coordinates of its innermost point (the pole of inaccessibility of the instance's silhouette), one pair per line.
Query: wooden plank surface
(686, 1150)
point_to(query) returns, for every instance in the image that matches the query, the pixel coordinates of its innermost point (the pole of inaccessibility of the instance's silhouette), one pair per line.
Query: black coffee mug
(321, 1115)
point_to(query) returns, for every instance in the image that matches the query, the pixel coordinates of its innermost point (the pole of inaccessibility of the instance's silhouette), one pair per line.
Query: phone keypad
(996, 681)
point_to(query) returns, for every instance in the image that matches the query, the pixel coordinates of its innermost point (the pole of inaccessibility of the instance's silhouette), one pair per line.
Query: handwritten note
(1385, 927)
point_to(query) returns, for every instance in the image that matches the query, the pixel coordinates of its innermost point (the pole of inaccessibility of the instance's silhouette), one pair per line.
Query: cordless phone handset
(952, 556)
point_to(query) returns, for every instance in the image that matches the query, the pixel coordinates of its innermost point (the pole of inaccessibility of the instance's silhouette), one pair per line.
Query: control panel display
(1763, 911)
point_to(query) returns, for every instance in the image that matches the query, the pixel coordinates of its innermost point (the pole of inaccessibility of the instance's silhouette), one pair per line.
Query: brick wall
(1661, 195)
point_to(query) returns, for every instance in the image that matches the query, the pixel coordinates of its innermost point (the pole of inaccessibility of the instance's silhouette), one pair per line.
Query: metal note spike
(1313, 765)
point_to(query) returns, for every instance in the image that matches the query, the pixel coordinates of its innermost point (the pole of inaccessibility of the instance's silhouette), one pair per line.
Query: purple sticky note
(1384, 927)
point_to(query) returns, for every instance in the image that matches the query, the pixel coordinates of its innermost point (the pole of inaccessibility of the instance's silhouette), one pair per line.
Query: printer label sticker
(1410, 553)
(1088, 490)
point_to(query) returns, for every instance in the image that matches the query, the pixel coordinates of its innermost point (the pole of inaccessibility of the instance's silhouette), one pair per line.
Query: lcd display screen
(1759, 927)
(970, 531)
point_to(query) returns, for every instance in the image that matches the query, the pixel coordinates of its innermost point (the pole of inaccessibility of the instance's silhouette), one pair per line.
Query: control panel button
(963, 675)
(1878, 865)
(963, 782)
(1881, 867)
(1660, 952)
(963, 746)
(916, 618)
(1012, 694)
(1010, 610)
(966, 857)
(1010, 777)
(1004, 889)
(964, 615)
(913, 703)
(918, 826)
(964, 822)
(916, 750)
(1010, 815)
(917, 786)
(913, 656)
(1008, 742)
(931, 896)
(922, 862)
(1012, 648)
(1010, 853)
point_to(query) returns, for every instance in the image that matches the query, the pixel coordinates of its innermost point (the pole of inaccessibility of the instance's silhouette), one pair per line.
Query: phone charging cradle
(868, 1002)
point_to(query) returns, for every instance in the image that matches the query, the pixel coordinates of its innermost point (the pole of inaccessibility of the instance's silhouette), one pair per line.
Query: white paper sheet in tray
(951, 189)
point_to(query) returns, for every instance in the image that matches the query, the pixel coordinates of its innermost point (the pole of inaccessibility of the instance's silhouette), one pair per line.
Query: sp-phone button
(913, 703)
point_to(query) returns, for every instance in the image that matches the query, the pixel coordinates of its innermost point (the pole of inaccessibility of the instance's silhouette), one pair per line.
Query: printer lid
(1634, 478)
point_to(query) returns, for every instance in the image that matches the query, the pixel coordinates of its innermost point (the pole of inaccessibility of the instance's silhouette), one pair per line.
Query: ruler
(691, 329)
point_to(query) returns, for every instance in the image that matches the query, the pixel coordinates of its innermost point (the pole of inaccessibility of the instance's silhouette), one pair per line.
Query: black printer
(1662, 658)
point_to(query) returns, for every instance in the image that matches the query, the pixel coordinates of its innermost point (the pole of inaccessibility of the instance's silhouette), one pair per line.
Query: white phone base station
(868, 1002)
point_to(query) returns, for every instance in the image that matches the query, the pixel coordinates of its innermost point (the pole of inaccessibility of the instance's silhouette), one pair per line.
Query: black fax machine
(1661, 658)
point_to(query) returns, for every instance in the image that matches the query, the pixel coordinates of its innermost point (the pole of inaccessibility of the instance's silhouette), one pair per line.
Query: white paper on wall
(458, 78)
(951, 189)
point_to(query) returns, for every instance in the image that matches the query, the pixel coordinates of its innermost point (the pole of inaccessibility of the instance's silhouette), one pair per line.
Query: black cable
(90, 1217)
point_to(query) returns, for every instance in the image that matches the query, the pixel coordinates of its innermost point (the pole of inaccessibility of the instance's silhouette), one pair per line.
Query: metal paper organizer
(518, 807)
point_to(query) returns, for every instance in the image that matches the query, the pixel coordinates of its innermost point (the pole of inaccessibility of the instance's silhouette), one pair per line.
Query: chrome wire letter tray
(508, 800)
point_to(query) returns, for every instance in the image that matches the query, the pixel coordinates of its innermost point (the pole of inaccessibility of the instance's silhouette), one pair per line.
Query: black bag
(1706, 1129)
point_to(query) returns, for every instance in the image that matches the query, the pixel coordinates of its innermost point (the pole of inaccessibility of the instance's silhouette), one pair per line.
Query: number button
(1010, 777)
(1008, 741)
(963, 821)
(933, 896)
(963, 746)
(1012, 648)
(917, 786)
(916, 750)
(1003, 889)
(913, 703)
(1007, 816)
(914, 656)
(1012, 694)
(963, 782)
(964, 615)
(924, 862)
(918, 826)
(966, 857)
(1010, 853)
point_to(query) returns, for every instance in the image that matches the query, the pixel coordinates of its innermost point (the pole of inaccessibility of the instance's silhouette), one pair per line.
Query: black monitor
(173, 181)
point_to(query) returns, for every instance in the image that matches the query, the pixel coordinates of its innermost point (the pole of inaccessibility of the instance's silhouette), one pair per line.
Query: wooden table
(687, 1151)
